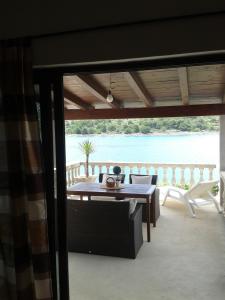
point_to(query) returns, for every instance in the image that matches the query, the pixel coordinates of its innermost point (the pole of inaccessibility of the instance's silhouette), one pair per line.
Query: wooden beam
(66, 104)
(138, 87)
(95, 89)
(72, 99)
(147, 112)
(183, 80)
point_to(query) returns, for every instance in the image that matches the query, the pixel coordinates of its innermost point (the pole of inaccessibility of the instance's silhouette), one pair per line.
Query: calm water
(195, 148)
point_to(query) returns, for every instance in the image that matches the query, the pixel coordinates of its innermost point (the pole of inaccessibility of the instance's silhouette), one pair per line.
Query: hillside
(143, 126)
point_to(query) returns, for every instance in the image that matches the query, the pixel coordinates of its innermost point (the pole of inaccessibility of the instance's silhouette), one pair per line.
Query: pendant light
(109, 97)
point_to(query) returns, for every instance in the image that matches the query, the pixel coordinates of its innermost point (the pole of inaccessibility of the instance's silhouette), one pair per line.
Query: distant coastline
(145, 127)
(169, 132)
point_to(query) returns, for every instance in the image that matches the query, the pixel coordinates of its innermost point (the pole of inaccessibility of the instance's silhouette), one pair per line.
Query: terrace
(169, 261)
(185, 260)
(183, 91)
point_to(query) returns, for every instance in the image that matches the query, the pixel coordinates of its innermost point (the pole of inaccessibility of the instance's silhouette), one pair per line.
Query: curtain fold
(24, 251)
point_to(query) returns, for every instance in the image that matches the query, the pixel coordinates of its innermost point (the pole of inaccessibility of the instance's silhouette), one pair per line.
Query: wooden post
(222, 155)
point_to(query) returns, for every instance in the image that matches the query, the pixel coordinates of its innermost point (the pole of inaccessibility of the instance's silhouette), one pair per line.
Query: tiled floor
(185, 260)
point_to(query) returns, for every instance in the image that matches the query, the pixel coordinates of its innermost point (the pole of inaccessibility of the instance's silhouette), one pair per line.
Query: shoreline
(166, 133)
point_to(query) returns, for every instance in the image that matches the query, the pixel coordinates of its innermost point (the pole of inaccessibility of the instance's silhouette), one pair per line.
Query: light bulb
(109, 97)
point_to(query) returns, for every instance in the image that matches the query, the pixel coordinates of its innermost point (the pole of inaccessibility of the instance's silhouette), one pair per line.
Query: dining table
(143, 191)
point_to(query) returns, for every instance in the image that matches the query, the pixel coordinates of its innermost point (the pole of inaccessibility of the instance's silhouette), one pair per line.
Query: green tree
(78, 130)
(91, 130)
(111, 128)
(144, 129)
(136, 128)
(84, 130)
(128, 130)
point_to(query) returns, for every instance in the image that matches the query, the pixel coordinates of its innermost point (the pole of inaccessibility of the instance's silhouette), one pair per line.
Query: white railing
(168, 173)
(72, 172)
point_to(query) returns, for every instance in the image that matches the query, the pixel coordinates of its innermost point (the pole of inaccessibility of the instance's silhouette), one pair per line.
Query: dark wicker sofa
(104, 227)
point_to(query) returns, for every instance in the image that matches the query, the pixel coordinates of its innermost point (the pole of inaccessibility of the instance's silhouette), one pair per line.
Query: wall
(31, 18)
(153, 39)
(161, 35)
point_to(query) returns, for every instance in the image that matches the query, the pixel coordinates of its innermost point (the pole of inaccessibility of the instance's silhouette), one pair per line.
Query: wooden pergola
(172, 92)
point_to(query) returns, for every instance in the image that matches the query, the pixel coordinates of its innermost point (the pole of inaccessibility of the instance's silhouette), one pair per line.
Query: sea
(166, 148)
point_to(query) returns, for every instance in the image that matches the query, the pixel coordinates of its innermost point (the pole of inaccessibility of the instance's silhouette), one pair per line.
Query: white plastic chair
(200, 194)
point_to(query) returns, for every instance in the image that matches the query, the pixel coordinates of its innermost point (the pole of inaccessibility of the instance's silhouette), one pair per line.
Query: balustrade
(168, 174)
(72, 172)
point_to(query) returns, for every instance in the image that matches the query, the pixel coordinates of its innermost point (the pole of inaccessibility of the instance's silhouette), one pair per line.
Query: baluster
(100, 168)
(66, 176)
(170, 181)
(160, 171)
(148, 170)
(69, 177)
(165, 178)
(92, 169)
(192, 178)
(129, 170)
(182, 181)
(107, 169)
(72, 174)
(174, 179)
(76, 172)
(210, 173)
(139, 169)
(123, 169)
(201, 174)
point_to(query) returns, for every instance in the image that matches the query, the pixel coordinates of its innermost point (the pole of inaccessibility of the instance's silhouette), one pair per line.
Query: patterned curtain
(24, 253)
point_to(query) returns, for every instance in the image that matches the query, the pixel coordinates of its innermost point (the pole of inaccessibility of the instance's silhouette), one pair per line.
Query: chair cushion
(141, 200)
(133, 202)
(141, 179)
(103, 198)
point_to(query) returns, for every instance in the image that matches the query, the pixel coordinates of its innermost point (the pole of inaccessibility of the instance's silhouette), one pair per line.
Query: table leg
(152, 209)
(148, 220)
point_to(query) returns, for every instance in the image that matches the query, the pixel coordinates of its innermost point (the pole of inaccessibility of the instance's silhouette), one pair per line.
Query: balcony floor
(185, 260)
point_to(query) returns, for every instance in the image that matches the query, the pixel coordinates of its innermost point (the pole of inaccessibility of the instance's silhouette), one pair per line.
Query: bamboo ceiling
(176, 87)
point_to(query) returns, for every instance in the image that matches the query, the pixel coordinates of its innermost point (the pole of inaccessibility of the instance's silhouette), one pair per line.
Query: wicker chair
(104, 227)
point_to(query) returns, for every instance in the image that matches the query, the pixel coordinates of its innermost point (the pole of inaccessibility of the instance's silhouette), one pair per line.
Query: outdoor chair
(200, 194)
(104, 227)
(154, 206)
